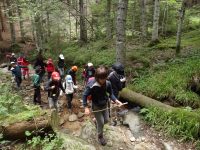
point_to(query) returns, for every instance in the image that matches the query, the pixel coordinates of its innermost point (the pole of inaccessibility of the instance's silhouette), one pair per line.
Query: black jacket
(117, 86)
(99, 93)
(56, 91)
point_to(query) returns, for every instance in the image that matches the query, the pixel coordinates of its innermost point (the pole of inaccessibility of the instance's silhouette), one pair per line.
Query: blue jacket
(100, 94)
(16, 71)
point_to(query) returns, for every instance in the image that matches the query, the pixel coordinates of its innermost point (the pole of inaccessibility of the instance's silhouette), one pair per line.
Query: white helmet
(61, 56)
(69, 78)
(13, 54)
(90, 64)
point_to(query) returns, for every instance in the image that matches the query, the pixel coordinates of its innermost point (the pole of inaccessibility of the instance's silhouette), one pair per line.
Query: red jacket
(50, 67)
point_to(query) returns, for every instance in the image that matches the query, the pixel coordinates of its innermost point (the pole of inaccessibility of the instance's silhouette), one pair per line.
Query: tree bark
(156, 15)
(142, 100)
(12, 27)
(121, 31)
(83, 30)
(2, 21)
(143, 19)
(180, 24)
(164, 21)
(17, 130)
(21, 22)
(108, 20)
(133, 18)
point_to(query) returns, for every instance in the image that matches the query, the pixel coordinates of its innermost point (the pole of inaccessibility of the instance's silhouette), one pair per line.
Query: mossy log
(142, 100)
(17, 130)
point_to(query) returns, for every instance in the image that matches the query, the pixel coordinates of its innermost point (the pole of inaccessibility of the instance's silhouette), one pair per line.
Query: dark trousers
(18, 81)
(69, 100)
(37, 95)
(49, 75)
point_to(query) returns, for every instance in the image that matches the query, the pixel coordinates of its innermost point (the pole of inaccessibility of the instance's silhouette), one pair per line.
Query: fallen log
(17, 130)
(142, 100)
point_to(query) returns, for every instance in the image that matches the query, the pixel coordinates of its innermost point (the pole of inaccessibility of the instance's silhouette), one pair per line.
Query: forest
(155, 43)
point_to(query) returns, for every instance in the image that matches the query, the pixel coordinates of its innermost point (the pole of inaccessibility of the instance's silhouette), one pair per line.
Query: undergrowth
(179, 123)
(170, 82)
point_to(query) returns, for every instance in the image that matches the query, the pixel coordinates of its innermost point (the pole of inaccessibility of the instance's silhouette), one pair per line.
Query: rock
(121, 148)
(88, 131)
(80, 115)
(167, 146)
(73, 118)
(132, 139)
(3, 65)
(109, 143)
(132, 120)
(145, 146)
(62, 121)
(142, 139)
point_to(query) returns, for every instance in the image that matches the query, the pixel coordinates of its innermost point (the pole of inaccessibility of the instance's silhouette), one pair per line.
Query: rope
(109, 108)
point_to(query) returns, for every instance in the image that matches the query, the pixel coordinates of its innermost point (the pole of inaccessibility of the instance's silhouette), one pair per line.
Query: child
(53, 87)
(50, 67)
(89, 72)
(69, 90)
(25, 69)
(16, 71)
(61, 65)
(72, 72)
(36, 85)
(99, 88)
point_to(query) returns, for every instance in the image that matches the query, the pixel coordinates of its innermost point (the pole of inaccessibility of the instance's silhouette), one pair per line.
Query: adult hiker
(99, 88)
(50, 67)
(36, 85)
(40, 63)
(25, 69)
(53, 87)
(61, 65)
(69, 90)
(117, 78)
(13, 58)
(72, 72)
(16, 71)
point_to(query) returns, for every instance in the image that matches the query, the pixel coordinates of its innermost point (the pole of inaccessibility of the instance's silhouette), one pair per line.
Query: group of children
(101, 86)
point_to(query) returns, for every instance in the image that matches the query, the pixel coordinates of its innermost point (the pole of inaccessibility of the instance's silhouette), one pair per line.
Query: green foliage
(49, 142)
(170, 82)
(179, 123)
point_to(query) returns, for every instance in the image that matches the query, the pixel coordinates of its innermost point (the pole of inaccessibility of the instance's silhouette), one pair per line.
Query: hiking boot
(101, 140)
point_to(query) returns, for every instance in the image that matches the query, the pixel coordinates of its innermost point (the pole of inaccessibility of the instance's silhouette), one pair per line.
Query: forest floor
(144, 138)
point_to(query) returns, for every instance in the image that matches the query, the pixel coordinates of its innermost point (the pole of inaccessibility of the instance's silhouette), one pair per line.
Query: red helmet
(55, 76)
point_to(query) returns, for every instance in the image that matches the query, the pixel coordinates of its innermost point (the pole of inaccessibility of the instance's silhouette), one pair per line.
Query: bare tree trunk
(83, 30)
(143, 19)
(76, 3)
(133, 18)
(21, 23)
(108, 20)
(38, 30)
(48, 25)
(180, 24)
(156, 15)
(121, 31)
(2, 20)
(164, 21)
(12, 27)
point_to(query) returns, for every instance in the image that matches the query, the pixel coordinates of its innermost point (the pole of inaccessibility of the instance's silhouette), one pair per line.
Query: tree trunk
(12, 27)
(83, 30)
(133, 18)
(164, 21)
(17, 130)
(2, 20)
(143, 19)
(121, 31)
(48, 25)
(108, 20)
(180, 24)
(156, 15)
(21, 22)
(142, 100)
(38, 30)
